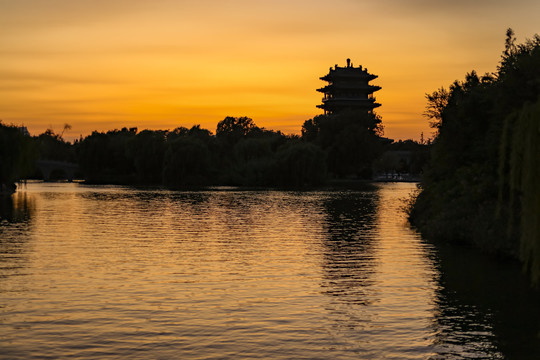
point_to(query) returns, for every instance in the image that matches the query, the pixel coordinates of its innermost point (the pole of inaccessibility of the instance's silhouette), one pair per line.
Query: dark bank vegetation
(344, 146)
(351, 141)
(403, 159)
(482, 182)
(17, 157)
(239, 154)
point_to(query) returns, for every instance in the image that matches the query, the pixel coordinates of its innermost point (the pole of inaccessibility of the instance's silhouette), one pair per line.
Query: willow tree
(520, 155)
(487, 123)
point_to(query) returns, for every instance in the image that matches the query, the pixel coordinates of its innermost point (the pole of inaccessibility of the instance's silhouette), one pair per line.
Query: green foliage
(437, 102)
(147, 150)
(17, 155)
(104, 158)
(350, 141)
(235, 128)
(186, 163)
(299, 164)
(240, 154)
(520, 174)
(461, 188)
(254, 160)
(51, 146)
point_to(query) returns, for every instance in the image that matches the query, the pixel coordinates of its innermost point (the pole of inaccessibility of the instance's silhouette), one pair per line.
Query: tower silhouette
(348, 89)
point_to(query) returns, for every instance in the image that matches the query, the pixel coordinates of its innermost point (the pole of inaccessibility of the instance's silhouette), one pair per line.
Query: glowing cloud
(162, 64)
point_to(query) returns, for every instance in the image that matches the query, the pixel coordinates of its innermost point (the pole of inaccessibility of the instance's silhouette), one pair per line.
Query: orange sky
(105, 64)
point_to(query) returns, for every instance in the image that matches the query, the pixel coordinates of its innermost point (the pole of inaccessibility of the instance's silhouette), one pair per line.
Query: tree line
(240, 153)
(17, 156)
(482, 183)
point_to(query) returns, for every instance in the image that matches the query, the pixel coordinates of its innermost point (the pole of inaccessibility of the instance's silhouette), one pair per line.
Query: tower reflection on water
(222, 273)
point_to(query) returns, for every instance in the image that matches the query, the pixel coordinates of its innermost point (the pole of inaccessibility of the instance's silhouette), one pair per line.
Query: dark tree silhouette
(147, 150)
(350, 140)
(17, 155)
(466, 193)
(437, 101)
(299, 164)
(234, 128)
(187, 162)
(103, 157)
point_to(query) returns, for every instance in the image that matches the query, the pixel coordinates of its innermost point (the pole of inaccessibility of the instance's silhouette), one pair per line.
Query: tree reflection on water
(349, 259)
(485, 304)
(16, 208)
(274, 274)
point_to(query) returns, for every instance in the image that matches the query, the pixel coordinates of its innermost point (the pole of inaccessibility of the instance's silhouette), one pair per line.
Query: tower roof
(348, 88)
(348, 71)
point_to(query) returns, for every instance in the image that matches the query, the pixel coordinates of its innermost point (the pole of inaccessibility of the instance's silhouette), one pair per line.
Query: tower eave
(348, 88)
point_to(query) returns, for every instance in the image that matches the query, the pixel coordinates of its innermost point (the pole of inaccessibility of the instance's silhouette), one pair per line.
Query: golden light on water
(89, 271)
(162, 64)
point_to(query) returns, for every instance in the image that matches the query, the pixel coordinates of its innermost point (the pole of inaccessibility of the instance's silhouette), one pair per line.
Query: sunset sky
(160, 64)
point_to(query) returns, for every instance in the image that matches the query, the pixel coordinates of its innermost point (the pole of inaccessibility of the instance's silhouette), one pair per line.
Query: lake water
(95, 272)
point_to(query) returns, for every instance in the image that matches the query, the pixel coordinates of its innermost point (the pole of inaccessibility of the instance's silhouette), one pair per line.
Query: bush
(187, 162)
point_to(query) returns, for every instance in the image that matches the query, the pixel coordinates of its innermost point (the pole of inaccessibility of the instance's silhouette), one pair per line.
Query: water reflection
(16, 212)
(16, 208)
(97, 272)
(349, 261)
(486, 308)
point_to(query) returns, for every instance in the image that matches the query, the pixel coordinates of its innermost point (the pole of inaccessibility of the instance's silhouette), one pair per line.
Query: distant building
(348, 89)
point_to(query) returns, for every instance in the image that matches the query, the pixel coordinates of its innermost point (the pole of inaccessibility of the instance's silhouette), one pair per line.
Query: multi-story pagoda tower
(348, 89)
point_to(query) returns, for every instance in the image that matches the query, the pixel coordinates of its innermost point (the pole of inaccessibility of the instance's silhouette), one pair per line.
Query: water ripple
(116, 272)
